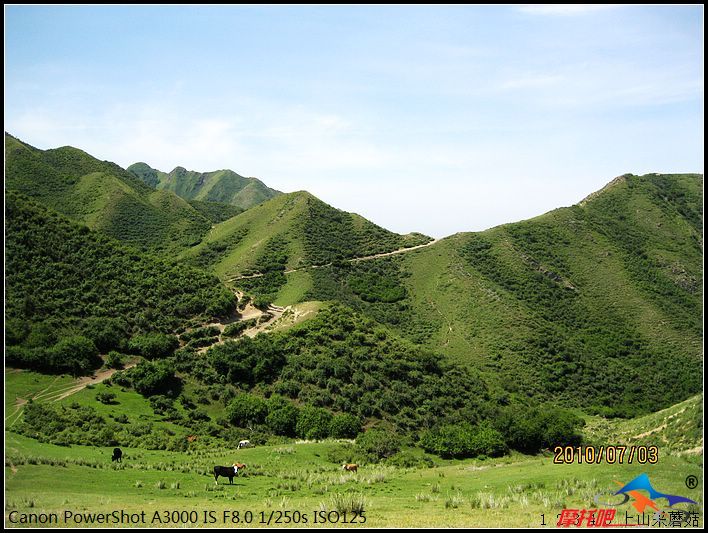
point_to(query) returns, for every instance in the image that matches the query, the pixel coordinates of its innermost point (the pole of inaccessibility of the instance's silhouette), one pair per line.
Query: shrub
(313, 423)
(530, 429)
(377, 444)
(150, 378)
(106, 397)
(75, 354)
(245, 410)
(106, 333)
(344, 426)
(282, 416)
(464, 440)
(114, 360)
(154, 345)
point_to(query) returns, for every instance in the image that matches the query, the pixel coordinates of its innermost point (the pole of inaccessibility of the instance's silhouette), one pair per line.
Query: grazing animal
(117, 455)
(350, 467)
(244, 444)
(225, 471)
(191, 438)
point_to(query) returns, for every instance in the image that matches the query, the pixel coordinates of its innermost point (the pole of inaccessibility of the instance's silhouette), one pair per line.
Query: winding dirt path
(47, 395)
(353, 260)
(85, 382)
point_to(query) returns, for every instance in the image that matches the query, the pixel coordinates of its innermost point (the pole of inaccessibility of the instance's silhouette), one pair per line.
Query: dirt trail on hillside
(84, 382)
(395, 252)
(247, 313)
(353, 260)
(56, 395)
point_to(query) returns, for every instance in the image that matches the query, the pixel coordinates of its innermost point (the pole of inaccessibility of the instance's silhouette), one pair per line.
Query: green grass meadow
(511, 492)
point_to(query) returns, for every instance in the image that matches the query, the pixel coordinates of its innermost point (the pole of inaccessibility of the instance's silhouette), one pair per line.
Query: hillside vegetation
(677, 430)
(71, 290)
(290, 231)
(103, 196)
(473, 345)
(598, 304)
(222, 186)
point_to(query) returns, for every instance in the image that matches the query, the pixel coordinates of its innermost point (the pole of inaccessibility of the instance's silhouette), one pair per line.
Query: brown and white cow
(350, 467)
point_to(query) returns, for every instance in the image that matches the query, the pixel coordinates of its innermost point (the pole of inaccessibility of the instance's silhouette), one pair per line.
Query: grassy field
(513, 491)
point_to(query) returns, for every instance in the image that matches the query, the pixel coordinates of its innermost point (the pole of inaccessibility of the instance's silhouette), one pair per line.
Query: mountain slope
(598, 304)
(103, 196)
(675, 430)
(63, 279)
(224, 186)
(288, 232)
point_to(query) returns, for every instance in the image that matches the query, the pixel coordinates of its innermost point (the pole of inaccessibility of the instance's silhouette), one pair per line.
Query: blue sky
(426, 119)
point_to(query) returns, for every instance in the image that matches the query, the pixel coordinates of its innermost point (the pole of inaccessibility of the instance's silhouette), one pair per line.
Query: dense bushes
(65, 280)
(247, 410)
(346, 363)
(248, 361)
(282, 416)
(344, 426)
(75, 424)
(377, 444)
(530, 429)
(75, 354)
(236, 328)
(464, 440)
(313, 423)
(106, 333)
(199, 333)
(154, 345)
(271, 263)
(332, 235)
(569, 336)
(149, 378)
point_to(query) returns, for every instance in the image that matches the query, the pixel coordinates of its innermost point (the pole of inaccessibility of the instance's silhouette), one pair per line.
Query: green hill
(64, 281)
(290, 231)
(103, 196)
(223, 186)
(598, 304)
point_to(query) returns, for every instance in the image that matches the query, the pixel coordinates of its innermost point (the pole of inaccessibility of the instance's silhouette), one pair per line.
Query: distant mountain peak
(223, 186)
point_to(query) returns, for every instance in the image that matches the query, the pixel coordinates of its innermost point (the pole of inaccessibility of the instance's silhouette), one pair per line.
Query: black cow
(117, 455)
(225, 471)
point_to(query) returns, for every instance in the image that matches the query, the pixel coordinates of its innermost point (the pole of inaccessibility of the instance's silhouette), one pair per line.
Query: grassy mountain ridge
(223, 186)
(596, 304)
(103, 196)
(288, 232)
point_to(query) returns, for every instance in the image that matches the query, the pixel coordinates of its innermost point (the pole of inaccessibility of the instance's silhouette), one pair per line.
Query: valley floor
(159, 488)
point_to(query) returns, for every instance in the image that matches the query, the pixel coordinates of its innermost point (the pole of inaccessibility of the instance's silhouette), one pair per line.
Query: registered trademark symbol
(691, 482)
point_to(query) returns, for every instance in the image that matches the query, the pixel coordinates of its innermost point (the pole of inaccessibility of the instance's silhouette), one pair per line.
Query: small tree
(106, 397)
(154, 345)
(344, 426)
(114, 360)
(246, 410)
(76, 354)
(313, 423)
(378, 443)
(282, 416)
